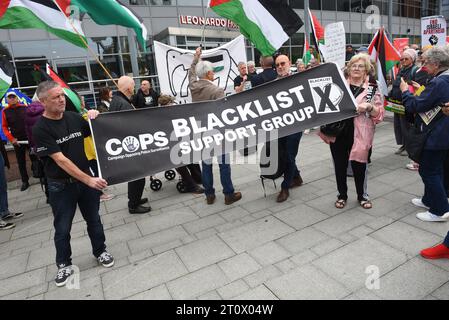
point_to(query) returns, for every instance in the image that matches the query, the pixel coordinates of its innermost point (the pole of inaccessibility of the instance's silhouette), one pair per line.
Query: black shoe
(63, 275)
(106, 259)
(13, 215)
(25, 186)
(6, 225)
(196, 190)
(139, 210)
(143, 201)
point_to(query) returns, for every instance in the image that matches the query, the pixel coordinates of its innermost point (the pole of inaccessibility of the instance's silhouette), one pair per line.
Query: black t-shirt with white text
(65, 135)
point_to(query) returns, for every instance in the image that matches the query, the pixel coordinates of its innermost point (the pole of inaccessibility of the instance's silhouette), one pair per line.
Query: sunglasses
(280, 64)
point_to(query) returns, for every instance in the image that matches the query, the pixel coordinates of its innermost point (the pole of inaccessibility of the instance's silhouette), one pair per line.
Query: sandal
(366, 204)
(340, 203)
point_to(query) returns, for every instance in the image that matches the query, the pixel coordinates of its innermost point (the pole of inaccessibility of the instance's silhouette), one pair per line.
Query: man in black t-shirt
(145, 96)
(59, 138)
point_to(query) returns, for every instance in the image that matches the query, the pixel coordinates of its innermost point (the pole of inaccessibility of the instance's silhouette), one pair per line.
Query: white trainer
(430, 217)
(418, 202)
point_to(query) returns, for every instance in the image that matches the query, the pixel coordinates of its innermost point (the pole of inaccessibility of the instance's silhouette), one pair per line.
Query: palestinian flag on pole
(73, 102)
(386, 57)
(267, 24)
(6, 74)
(318, 32)
(107, 12)
(307, 55)
(39, 14)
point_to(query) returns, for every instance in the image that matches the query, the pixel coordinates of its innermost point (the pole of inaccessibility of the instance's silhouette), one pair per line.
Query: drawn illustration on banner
(326, 95)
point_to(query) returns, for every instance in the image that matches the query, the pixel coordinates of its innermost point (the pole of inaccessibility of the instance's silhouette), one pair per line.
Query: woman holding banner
(354, 137)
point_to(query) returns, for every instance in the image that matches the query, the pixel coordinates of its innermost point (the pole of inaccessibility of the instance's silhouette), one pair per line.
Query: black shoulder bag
(415, 138)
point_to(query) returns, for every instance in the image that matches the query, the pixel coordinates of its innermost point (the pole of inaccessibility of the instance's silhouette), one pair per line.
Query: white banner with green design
(173, 66)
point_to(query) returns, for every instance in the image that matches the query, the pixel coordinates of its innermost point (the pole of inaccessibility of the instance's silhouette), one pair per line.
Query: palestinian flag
(307, 55)
(317, 30)
(39, 14)
(386, 56)
(267, 24)
(6, 74)
(107, 12)
(73, 103)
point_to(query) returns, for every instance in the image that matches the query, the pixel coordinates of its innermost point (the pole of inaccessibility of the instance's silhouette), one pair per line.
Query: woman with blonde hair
(355, 137)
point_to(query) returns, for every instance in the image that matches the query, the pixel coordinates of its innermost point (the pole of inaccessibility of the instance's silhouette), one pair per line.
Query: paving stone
(285, 265)
(89, 289)
(197, 283)
(239, 266)
(346, 238)
(140, 256)
(406, 238)
(206, 233)
(22, 281)
(327, 246)
(306, 283)
(41, 257)
(259, 293)
(157, 239)
(413, 280)
(233, 289)
(157, 293)
(343, 222)
(13, 265)
(234, 214)
(302, 240)
(25, 242)
(363, 294)
(361, 231)
(143, 275)
(349, 264)
(269, 253)
(262, 214)
(229, 226)
(212, 295)
(439, 229)
(379, 222)
(442, 292)
(205, 252)
(304, 258)
(166, 220)
(301, 216)
(255, 234)
(326, 204)
(261, 276)
(204, 223)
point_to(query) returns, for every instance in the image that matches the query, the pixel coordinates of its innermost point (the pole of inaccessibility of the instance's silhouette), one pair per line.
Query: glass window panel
(296, 53)
(298, 39)
(329, 5)
(162, 2)
(343, 5)
(32, 49)
(180, 40)
(138, 2)
(356, 38)
(5, 50)
(28, 75)
(111, 63)
(315, 4)
(104, 45)
(297, 4)
(195, 3)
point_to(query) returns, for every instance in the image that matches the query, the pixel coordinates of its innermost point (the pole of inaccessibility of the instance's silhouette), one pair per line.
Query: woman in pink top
(355, 140)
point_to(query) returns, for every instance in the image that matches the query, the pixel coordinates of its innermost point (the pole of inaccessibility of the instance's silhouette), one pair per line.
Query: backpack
(272, 161)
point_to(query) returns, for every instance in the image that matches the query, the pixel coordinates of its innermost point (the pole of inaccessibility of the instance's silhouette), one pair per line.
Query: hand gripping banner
(138, 143)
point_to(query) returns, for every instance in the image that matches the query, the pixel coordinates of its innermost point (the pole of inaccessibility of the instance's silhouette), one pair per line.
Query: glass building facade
(173, 22)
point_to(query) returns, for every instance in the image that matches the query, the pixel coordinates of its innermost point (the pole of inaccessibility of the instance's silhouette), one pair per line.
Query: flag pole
(87, 46)
(203, 38)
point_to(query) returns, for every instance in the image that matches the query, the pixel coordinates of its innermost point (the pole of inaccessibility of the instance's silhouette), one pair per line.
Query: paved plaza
(258, 249)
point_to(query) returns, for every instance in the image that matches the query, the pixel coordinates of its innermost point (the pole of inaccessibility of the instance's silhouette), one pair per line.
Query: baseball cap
(11, 93)
(362, 49)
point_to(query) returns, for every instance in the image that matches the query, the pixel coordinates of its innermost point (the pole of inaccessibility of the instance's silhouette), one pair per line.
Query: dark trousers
(401, 125)
(21, 152)
(63, 200)
(431, 172)
(341, 150)
(446, 174)
(135, 191)
(191, 175)
(225, 176)
(291, 148)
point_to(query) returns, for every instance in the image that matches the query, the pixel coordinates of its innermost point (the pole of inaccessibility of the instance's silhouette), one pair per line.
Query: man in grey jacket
(120, 102)
(203, 89)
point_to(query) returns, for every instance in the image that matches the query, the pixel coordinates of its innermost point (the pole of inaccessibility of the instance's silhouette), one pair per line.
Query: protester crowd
(63, 156)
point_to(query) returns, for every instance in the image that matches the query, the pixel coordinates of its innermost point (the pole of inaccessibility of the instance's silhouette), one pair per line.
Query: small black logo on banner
(326, 95)
(433, 40)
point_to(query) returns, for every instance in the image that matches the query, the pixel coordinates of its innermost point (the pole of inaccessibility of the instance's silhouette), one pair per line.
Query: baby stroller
(156, 184)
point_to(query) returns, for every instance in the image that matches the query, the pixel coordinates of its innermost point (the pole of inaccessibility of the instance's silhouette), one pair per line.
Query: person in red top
(13, 125)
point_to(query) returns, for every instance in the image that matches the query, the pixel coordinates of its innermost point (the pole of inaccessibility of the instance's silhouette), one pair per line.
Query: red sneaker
(438, 252)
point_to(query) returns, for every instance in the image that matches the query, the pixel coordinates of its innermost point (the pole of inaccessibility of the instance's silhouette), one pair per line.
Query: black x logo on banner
(325, 98)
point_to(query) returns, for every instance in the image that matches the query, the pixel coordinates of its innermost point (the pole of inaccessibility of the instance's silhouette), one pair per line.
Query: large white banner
(334, 49)
(173, 66)
(433, 31)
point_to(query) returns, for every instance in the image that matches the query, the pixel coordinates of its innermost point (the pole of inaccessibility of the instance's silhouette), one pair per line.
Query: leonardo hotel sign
(201, 21)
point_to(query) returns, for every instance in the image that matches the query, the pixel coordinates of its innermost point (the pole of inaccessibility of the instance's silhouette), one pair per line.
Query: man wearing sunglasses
(292, 177)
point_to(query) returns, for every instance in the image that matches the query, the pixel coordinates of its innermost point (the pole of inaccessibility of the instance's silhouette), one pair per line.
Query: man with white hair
(251, 66)
(203, 89)
(122, 101)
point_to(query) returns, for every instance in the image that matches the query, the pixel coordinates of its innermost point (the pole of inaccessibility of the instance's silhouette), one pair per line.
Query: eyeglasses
(281, 64)
(402, 59)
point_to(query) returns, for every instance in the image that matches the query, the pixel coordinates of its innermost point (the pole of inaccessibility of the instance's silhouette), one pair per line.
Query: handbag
(415, 138)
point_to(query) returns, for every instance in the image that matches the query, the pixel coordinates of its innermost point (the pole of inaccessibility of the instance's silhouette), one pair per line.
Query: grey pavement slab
(157, 293)
(269, 253)
(349, 264)
(302, 240)
(255, 234)
(259, 293)
(166, 220)
(300, 216)
(205, 252)
(233, 289)
(239, 266)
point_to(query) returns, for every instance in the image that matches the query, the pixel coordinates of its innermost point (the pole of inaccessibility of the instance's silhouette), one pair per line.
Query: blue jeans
(431, 172)
(63, 200)
(225, 176)
(291, 170)
(4, 211)
(446, 240)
